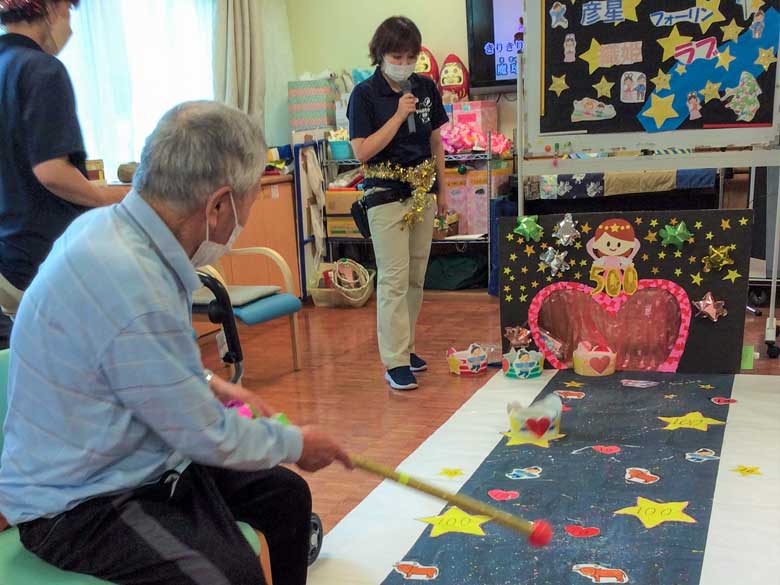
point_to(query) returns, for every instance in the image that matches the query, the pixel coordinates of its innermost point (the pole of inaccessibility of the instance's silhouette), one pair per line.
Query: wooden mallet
(539, 533)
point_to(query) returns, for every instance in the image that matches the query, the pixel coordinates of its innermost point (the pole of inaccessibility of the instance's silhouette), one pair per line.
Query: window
(132, 60)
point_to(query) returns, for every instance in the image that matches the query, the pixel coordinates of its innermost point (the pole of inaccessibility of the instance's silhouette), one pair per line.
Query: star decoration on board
(678, 253)
(693, 420)
(512, 278)
(745, 471)
(592, 56)
(673, 221)
(507, 289)
(516, 439)
(507, 270)
(577, 245)
(670, 396)
(710, 308)
(549, 279)
(523, 298)
(697, 278)
(698, 225)
(661, 109)
(585, 228)
(655, 270)
(583, 262)
(732, 247)
(510, 237)
(513, 257)
(731, 31)
(543, 245)
(651, 236)
(645, 257)
(717, 15)
(743, 221)
(732, 275)
(725, 224)
(558, 85)
(524, 270)
(670, 43)
(653, 514)
(692, 259)
(661, 81)
(577, 275)
(451, 472)
(677, 272)
(692, 240)
(706, 386)
(710, 92)
(629, 10)
(529, 250)
(681, 69)
(725, 58)
(603, 88)
(508, 298)
(661, 255)
(534, 284)
(541, 267)
(766, 57)
(709, 235)
(653, 223)
(574, 384)
(456, 520)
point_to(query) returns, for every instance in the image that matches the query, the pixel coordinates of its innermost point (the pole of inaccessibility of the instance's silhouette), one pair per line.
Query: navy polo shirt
(374, 102)
(38, 123)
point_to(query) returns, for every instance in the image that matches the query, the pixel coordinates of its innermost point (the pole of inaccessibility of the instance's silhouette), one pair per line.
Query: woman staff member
(394, 119)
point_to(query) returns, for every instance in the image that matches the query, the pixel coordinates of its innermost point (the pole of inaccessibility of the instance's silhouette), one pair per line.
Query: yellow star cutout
(725, 224)
(733, 275)
(577, 275)
(661, 255)
(521, 240)
(717, 16)
(743, 221)
(756, 4)
(693, 420)
(523, 298)
(670, 396)
(645, 257)
(603, 88)
(710, 92)
(678, 254)
(670, 43)
(698, 225)
(638, 220)
(456, 520)
(529, 250)
(677, 272)
(697, 279)
(522, 287)
(543, 245)
(585, 228)
(651, 236)
(681, 69)
(629, 9)
(507, 289)
(745, 471)
(661, 81)
(516, 439)
(674, 221)
(766, 57)
(549, 279)
(692, 259)
(510, 237)
(574, 384)
(507, 270)
(661, 109)
(541, 267)
(653, 514)
(558, 85)
(706, 386)
(583, 262)
(534, 284)
(592, 56)
(524, 270)
(731, 31)
(508, 298)
(691, 240)
(577, 245)
(725, 58)
(512, 278)
(513, 257)
(653, 223)
(655, 270)
(732, 247)
(709, 235)
(451, 472)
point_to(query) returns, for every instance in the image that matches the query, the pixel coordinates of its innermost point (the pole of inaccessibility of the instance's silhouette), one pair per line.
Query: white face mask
(398, 73)
(209, 252)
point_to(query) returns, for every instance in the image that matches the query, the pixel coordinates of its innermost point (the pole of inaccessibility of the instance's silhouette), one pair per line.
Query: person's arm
(365, 143)
(437, 149)
(64, 180)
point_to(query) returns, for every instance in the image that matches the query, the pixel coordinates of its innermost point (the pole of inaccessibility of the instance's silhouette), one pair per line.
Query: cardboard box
(480, 115)
(343, 227)
(340, 202)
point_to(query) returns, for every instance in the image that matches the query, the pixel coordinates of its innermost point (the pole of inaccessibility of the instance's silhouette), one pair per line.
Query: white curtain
(132, 60)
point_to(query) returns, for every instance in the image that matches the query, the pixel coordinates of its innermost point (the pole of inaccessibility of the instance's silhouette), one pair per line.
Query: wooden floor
(341, 387)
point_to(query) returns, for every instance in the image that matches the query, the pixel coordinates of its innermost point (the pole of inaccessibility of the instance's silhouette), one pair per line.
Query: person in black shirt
(394, 122)
(43, 184)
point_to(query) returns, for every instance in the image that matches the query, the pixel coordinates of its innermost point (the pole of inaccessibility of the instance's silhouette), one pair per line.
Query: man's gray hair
(197, 148)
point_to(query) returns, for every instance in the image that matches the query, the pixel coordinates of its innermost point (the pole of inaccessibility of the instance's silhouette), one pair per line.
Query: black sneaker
(417, 363)
(401, 378)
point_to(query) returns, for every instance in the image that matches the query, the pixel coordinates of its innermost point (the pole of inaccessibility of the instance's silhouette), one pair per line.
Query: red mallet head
(542, 534)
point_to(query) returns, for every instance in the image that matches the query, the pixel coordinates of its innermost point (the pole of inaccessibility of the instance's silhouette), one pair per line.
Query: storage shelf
(335, 240)
(466, 157)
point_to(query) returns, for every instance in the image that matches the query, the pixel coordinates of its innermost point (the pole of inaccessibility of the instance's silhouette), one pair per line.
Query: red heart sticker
(599, 364)
(538, 426)
(721, 401)
(606, 449)
(502, 496)
(578, 531)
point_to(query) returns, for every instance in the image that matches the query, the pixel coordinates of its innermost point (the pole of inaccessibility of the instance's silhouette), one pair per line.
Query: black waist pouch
(360, 215)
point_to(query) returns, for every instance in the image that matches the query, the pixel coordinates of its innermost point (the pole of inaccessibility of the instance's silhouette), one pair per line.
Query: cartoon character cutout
(694, 106)
(757, 26)
(641, 87)
(558, 16)
(614, 245)
(570, 48)
(520, 34)
(454, 80)
(427, 66)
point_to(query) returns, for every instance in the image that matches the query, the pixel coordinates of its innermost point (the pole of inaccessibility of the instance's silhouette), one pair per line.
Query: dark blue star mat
(629, 490)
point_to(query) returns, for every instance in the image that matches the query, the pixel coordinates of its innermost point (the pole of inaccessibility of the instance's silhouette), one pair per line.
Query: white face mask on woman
(397, 73)
(209, 252)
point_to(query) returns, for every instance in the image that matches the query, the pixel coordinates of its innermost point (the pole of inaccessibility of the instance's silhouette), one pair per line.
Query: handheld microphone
(406, 88)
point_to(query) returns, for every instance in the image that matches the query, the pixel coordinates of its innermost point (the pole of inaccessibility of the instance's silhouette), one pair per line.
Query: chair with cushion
(20, 567)
(251, 304)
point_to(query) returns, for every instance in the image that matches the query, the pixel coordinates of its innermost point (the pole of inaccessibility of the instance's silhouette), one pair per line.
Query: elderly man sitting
(120, 461)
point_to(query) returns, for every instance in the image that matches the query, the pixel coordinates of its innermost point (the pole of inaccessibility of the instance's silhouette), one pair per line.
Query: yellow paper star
(678, 253)
(697, 279)
(731, 31)
(507, 289)
(629, 9)
(574, 384)
(655, 270)
(577, 275)
(541, 267)
(681, 69)
(661, 109)
(513, 257)
(508, 298)
(670, 396)
(698, 225)
(451, 472)
(645, 257)
(534, 284)
(693, 420)
(512, 278)
(456, 520)
(710, 92)
(516, 439)
(692, 259)
(732, 247)
(558, 85)
(661, 81)
(677, 272)
(651, 236)
(717, 16)
(523, 298)
(577, 245)
(670, 43)
(583, 262)
(706, 386)
(529, 250)
(510, 237)
(522, 287)
(766, 57)
(745, 471)
(585, 228)
(653, 514)
(507, 270)
(674, 221)
(709, 235)
(725, 58)
(638, 220)
(725, 224)
(543, 245)
(592, 56)
(520, 240)
(653, 223)
(524, 270)
(661, 255)
(691, 240)
(733, 275)
(603, 88)
(549, 278)
(743, 221)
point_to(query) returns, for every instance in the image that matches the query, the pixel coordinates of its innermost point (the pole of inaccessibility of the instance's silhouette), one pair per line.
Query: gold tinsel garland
(421, 179)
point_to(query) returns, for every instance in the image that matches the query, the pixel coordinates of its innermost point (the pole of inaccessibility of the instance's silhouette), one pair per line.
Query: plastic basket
(341, 150)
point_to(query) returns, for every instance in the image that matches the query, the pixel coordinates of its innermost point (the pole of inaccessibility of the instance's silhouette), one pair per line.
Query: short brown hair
(12, 11)
(397, 34)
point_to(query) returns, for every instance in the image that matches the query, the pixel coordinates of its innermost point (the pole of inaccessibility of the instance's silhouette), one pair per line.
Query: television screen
(495, 31)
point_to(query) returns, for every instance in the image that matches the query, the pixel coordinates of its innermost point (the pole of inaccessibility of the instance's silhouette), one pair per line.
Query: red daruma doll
(613, 248)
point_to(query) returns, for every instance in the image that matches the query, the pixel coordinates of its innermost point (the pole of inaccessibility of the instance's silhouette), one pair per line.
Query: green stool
(19, 566)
